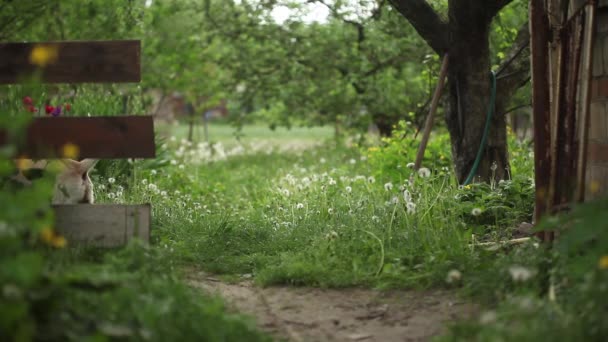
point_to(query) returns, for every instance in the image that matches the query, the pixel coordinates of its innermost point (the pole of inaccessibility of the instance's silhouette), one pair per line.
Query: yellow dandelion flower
(603, 263)
(43, 55)
(47, 235)
(24, 163)
(594, 186)
(70, 151)
(468, 187)
(58, 241)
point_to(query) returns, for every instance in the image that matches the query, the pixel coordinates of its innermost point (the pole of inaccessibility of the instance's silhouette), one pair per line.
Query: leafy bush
(564, 297)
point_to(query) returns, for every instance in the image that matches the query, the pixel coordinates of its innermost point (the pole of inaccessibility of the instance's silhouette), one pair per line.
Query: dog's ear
(87, 164)
(82, 166)
(70, 164)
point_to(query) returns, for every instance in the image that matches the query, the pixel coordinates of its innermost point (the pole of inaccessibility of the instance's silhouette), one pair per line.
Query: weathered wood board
(96, 137)
(103, 225)
(72, 61)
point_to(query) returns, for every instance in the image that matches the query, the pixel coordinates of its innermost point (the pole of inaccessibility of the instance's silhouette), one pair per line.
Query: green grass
(327, 216)
(322, 217)
(228, 134)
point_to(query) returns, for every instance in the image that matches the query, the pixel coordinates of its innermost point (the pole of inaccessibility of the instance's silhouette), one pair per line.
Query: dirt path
(309, 314)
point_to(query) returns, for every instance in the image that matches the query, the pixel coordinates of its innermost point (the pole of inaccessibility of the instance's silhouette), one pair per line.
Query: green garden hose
(482, 145)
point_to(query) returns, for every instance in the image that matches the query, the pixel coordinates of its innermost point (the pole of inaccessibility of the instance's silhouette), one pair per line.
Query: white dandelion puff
(407, 197)
(488, 317)
(300, 206)
(520, 273)
(371, 180)
(424, 172)
(111, 180)
(349, 189)
(410, 165)
(411, 207)
(453, 276)
(330, 211)
(476, 211)
(388, 186)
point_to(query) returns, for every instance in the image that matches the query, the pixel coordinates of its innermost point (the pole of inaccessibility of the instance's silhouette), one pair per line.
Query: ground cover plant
(292, 189)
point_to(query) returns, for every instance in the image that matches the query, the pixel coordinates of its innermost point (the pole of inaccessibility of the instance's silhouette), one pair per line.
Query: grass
(227, 134)
(317, 217)
(328, 216)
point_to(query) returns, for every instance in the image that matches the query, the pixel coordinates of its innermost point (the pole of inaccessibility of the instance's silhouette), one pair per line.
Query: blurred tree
(465, 35)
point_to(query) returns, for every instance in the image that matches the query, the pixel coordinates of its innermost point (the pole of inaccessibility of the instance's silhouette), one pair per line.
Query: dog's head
(73, 184)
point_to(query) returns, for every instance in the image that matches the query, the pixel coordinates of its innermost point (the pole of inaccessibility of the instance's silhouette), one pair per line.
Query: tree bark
(469, 94)
(466, 38)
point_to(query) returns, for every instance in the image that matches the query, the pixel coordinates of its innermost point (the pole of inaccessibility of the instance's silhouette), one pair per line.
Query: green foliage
(571, 279)
(394, 158)
(76, 295)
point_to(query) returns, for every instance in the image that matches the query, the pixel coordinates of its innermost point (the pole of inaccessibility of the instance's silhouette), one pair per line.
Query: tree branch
(495, 6)
(514, 71)
(425, 21)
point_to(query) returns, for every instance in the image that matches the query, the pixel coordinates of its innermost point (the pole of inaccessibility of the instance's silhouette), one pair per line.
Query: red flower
(32, 109)
(67, 107)
(27, 101)
(49, 109)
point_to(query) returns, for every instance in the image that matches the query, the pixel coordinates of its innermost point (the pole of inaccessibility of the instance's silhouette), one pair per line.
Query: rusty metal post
(539, 33)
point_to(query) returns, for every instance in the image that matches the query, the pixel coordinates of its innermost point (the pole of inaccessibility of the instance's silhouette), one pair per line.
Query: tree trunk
(466, 37)
(469, 90)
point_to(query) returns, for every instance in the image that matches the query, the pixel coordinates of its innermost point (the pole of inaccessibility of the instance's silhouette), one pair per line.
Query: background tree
(465, 35)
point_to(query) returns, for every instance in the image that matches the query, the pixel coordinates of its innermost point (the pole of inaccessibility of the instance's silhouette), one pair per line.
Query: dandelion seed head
(520, 273)
(424, 172)
(411, 207)
(407, 197)
(388, 186)
(453, 276)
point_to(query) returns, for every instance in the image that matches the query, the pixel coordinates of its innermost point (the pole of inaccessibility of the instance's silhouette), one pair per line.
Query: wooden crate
(103, 225)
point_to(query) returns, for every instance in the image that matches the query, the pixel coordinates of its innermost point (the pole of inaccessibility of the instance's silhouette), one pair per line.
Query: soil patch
(312, 314)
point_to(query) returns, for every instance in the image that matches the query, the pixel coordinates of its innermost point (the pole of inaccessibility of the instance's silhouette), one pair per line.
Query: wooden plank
(71, 61)
(96, 137)
(103, 225)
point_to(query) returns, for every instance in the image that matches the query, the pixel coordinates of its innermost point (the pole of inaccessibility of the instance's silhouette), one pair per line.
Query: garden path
(313, 314)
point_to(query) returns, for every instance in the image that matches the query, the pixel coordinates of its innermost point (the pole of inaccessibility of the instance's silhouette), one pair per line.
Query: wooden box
(103, 225)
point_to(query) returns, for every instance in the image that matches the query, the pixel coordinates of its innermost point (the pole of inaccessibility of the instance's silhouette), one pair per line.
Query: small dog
(72, 184)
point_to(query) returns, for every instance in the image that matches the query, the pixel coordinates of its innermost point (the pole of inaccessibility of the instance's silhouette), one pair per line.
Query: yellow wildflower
(70, 151)
(468, 187)
(594, 186)
(42, 55)
(58, 241)
(603, 263)
(24, 163)
(47, 234)
(51, 238)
